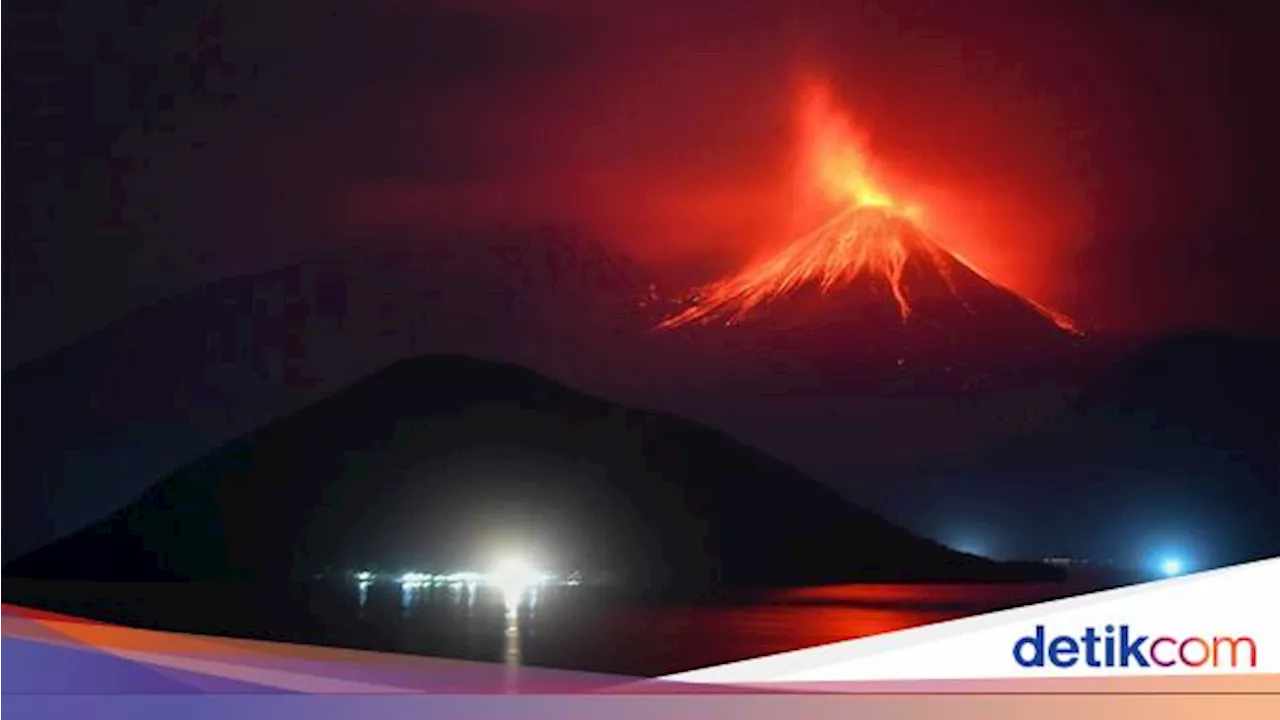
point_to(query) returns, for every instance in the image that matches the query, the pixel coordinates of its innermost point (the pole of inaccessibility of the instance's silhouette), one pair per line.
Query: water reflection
(511, 651)
(578, 627)
(454, 619)
(362, 594)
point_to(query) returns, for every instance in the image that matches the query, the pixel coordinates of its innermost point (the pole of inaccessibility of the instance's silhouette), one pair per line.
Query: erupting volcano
(868, 233)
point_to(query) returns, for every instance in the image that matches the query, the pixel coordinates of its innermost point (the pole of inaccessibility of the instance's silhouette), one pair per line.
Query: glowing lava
(868, 232)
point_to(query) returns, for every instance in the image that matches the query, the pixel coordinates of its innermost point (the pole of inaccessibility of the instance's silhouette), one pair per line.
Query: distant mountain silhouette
(88, 426)
(434, 460)
(1178, 443)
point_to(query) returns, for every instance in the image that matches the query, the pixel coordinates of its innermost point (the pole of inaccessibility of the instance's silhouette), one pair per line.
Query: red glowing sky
(1109, 159)
(1056, 150)
(847, 223)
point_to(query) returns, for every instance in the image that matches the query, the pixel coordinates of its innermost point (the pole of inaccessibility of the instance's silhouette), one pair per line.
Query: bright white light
(414, 580)
(513, 576)
(1171, 566)
(463, 578)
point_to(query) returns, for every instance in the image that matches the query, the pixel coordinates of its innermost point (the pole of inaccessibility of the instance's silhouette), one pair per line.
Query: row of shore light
(511, 576)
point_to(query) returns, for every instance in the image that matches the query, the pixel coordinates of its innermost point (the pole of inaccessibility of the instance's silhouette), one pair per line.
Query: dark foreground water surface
(563, 627)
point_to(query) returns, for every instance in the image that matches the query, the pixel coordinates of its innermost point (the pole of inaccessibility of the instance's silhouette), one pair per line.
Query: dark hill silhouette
(161, 386)
(1179, 442)
(434, 459)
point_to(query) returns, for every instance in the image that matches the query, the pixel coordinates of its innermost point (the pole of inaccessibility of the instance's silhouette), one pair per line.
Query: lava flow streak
(869, 233)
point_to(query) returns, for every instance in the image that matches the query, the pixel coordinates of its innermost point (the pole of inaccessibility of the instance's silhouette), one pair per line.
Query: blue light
(1171, 566)
(970, 547)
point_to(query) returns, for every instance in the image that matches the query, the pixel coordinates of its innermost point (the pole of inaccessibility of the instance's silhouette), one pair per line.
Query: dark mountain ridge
(435, 460)
(155, 389)
(1177, 444)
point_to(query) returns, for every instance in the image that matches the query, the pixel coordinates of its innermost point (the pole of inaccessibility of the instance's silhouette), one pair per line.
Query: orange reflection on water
(923, 595)
(702, 635)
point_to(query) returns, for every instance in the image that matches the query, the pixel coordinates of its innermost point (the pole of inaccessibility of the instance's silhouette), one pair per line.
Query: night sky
(1107, 158)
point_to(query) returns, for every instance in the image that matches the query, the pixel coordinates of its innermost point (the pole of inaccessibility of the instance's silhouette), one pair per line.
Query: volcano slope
(869, 295)
(867, 302)
(435, 459)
